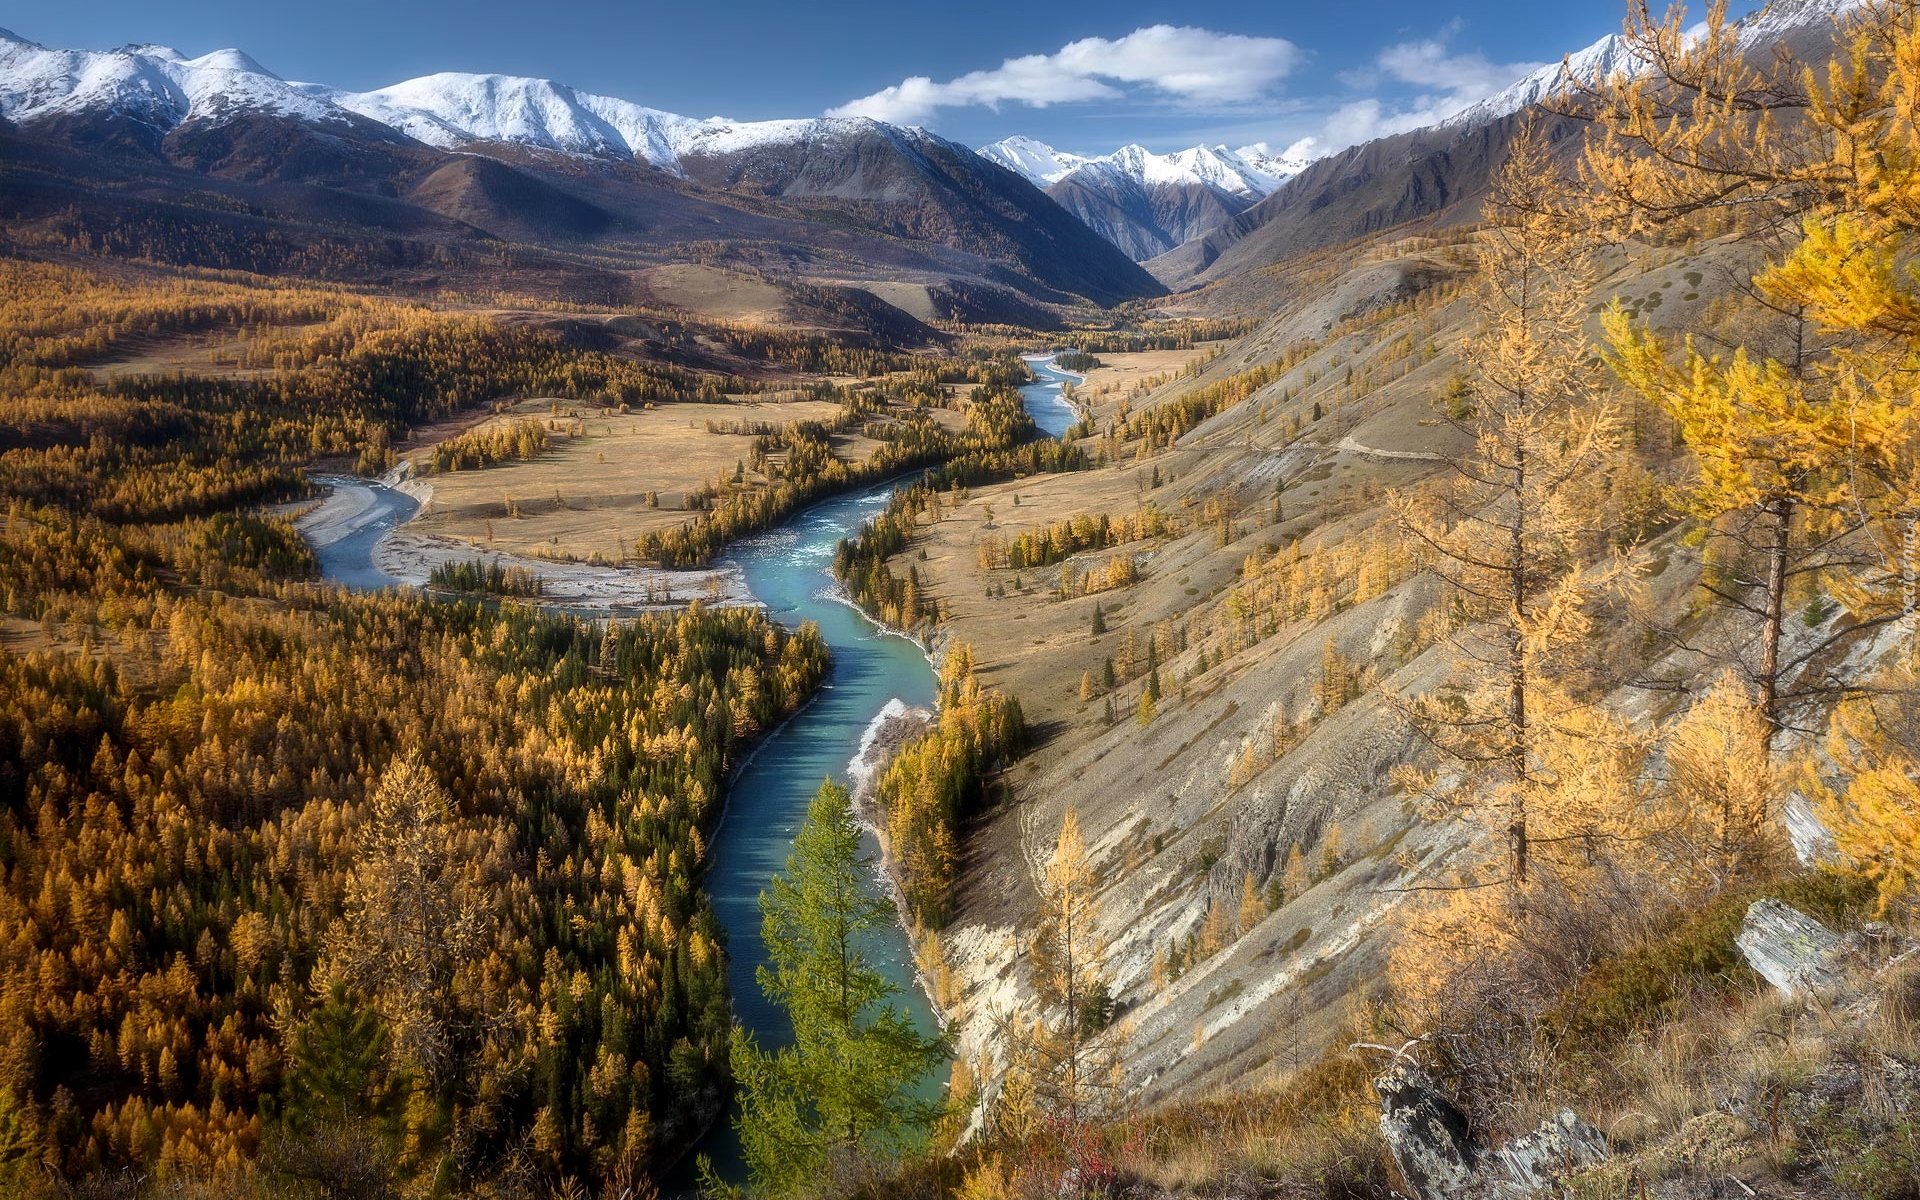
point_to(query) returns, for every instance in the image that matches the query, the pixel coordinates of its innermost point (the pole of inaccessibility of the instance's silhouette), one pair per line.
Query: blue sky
(1083, 76)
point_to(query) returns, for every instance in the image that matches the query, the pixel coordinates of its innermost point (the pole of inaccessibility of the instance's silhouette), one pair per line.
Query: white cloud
(1450, 83)
(1178, 61)
(1428, 64)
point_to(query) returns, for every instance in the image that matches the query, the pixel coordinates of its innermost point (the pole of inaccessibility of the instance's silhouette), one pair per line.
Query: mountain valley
(1351, 672)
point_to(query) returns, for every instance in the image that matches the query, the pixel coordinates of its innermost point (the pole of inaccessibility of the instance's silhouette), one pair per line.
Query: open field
(608, 477)
(587, 496)
(712, 292)
(1119, 374)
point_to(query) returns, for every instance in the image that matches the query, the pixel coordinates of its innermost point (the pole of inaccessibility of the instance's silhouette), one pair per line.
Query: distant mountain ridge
(1440, 171)
(161, 87)
(575, 166)
(1146, 203)
(1249, 171)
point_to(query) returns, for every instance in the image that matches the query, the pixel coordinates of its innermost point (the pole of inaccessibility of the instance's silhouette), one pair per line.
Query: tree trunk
(1517, 668)
(1773, 622)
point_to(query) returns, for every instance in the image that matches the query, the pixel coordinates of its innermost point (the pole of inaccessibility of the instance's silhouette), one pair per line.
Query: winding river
(790, 570)
(1046, 398)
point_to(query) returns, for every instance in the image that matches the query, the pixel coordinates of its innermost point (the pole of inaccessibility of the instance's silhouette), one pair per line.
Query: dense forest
(315, 893)
(320, 889)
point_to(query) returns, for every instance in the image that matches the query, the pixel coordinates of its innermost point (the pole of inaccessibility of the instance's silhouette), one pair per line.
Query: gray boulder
(1536, 1163)
(1790, 950)
(1439, 1158)
(1427, 1136)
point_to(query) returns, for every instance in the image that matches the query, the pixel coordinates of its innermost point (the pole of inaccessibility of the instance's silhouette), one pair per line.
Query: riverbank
(1046, 397)
(397, 556)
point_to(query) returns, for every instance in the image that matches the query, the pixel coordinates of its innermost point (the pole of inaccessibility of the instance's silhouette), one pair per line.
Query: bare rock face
(1534, 1164)
(1812, 840)
(1789, 949)
(1439, 1158)
(1426, 1134)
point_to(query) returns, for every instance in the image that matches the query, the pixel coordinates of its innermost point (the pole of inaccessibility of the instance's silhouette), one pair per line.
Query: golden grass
(1027, 643)
(587, 495)
(713, 292)
(1119, 374)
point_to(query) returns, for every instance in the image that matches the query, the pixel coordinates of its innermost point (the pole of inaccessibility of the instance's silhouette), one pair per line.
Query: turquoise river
(790, 570)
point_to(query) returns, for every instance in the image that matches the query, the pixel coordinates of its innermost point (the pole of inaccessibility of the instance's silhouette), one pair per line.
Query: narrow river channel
(790, 570)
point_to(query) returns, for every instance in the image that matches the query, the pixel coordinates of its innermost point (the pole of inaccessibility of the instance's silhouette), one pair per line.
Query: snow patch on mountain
(1040, 164)
(1610, 58)
(1249, 172)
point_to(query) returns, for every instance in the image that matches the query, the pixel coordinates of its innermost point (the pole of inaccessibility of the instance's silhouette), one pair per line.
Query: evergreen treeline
(301, 889)
(942, 777)
(476, 577)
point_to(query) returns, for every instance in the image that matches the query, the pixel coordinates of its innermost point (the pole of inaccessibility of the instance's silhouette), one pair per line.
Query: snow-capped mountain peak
(163, 89)
(1039, 163)
(1610, 57)
(1250, 172)
(1280, 164)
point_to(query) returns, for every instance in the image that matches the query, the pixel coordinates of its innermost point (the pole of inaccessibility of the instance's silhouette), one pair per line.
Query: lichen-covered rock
(1789, 949)
(1813, 842)
(1561, 1146)
(1427, 1136)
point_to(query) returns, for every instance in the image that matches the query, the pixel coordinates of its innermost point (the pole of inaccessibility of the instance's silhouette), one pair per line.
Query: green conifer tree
(845, 1093)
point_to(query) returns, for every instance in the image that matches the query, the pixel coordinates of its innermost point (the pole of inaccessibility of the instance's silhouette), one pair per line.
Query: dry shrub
(1478, 972)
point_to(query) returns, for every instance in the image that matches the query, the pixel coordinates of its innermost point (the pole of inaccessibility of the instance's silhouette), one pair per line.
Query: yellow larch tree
(1803, 435)
(1504, 530)
(1076, 1076)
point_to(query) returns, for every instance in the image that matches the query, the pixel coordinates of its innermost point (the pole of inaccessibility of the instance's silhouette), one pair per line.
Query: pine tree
(1503, 536)
(1144, 712)
(845, 1092)
(1333, 854)
(1293, 877)
(1099, 620)
(1077, 1078)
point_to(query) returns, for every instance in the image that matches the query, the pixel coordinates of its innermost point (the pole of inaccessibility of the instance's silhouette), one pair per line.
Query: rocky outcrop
(1790, 950)
(1561, 1146)
(1437, 1156)
(1812, 840)
(1427, 1136)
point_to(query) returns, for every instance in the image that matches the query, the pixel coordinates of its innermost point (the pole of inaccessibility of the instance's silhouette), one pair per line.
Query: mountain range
(1146, 203)
(218, 161)
(446, 159)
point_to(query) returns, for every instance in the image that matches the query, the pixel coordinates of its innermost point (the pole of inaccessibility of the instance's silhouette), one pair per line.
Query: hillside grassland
(1443, 731)
(605, 478)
